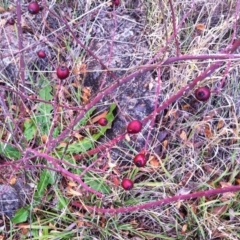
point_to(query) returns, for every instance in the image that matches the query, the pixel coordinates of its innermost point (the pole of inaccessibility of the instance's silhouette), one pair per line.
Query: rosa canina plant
(57, 129)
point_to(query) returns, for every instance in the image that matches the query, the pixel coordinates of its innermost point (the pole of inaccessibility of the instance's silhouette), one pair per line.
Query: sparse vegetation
(120, 119)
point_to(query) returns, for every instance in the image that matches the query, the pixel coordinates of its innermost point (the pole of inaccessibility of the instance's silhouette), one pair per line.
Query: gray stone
(9, 200)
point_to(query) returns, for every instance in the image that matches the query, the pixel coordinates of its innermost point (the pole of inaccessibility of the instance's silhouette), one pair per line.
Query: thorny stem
(192, 84)
(64, 171)
(55, 117)
(104, 146)
(174, 28)
(180, 93)
(184, 90)
(222, 82)
(124, 80)
(20, 45)
(159, 202)
(110, 49)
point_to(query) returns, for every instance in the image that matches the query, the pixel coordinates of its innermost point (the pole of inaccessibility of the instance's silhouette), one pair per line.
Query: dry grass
(194, 145)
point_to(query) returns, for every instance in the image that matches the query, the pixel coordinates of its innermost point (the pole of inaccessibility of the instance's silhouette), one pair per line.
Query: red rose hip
(41, 54)
(62, 72)
(140, 160)
(102, 121)
(116, 3)
(202, 94)
(33, 7)
(127, 184)
(134, 126)
(11, 21)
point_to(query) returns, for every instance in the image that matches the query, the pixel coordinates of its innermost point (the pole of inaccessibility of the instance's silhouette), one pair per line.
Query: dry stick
(174, 28)
(159, 202)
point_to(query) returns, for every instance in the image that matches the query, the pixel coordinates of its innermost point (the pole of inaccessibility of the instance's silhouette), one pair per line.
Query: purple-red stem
(110, 48)
(175, 34)
(64, 171)
(104, 146)
(20, 45)
(168, 200)
(126, 79)
(222, 82)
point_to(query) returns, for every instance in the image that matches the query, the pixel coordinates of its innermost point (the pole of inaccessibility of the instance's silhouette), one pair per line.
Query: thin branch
(63, 171)
(159, 202)
(174, 28)
(20, 45)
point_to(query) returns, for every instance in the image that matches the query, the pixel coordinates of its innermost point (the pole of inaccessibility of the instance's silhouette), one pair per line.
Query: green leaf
(20, 216)
(46, 178)
(97, 183)
(81, 146)
(88, 142)
(29, 129)
(43, 116)
(45, 92)
(62, 201)
(86, 117)
(9, 151)
(56, 132)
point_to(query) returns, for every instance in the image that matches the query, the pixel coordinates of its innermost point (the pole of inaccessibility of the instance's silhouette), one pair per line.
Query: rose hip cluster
(135, 126)
(139, 160)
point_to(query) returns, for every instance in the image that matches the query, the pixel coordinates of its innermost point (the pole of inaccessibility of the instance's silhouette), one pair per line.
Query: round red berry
(11, 21)
(202, 94)
(134, 126)
(103, 121)
(41, 54)
(140, 160)
(62, 72)
(127, 184)
(116, 3)
(33, 7)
